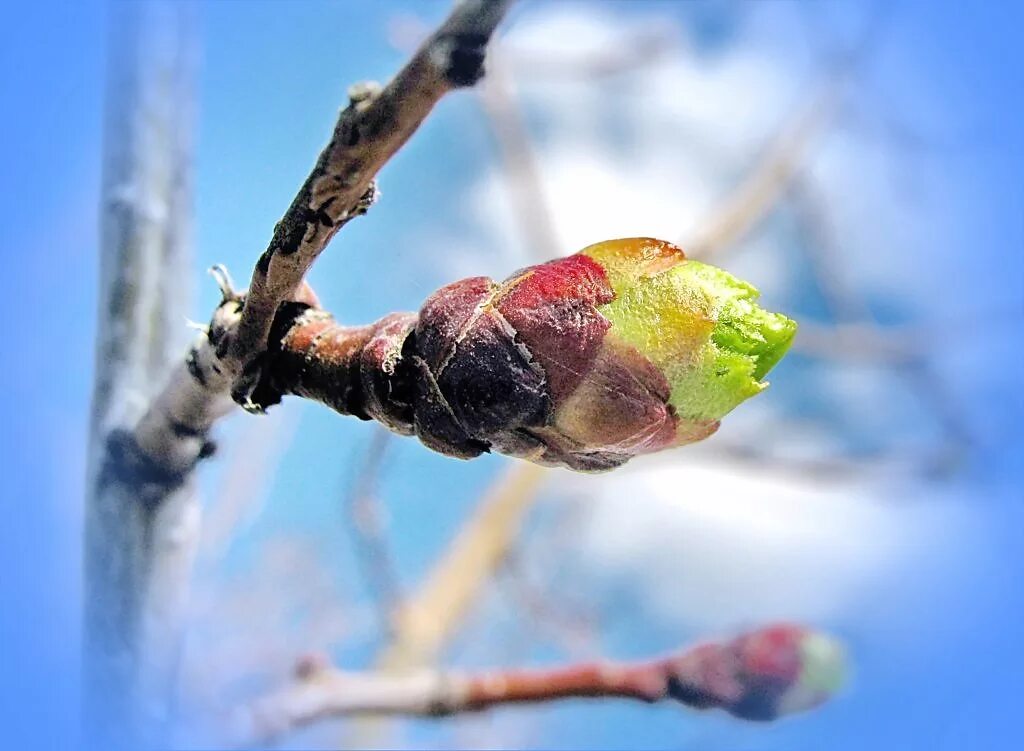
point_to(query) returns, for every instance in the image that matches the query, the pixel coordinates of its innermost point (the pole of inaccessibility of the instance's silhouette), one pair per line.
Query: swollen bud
(621, 349)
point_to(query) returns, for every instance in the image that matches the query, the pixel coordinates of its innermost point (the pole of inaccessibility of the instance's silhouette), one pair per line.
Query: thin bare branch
(564, 621)
(428, 619)
(784, 158)
(363, 513)
(246, 481)
(760, 675)
(368, 133)
(858, 342)
(432, 615)
(374, 125)
(636, 50)
(767, 181)
(519, 160)
(859, 334)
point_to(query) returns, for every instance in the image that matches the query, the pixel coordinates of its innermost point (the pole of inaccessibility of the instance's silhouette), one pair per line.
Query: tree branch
(760, 675)
(858, 333)
(433, 614)
(368, 133)
(362, 506)
(522, 170)
(783, 159)
(375, 124)
(766, 182)
(141, 525)
(428, 620)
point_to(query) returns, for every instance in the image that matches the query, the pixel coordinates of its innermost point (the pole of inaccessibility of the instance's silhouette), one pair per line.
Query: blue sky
(272, 77)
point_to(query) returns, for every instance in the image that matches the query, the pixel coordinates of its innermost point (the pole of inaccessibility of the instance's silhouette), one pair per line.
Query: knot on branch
(460, 57)
(126, 464)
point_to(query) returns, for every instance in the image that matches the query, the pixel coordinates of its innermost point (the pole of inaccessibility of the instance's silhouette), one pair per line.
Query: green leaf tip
(700, 325)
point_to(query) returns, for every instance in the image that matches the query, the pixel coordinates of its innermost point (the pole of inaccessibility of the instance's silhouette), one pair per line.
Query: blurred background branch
(767, 180)
(519, 163)
(759, 675)
(367, 526)
(141, 527)
(433, 615)
(430, 617)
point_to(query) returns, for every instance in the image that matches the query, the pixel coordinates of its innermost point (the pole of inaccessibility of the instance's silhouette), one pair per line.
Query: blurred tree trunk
(140, 524)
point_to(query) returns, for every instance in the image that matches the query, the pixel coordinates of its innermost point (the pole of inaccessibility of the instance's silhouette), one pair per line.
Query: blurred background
(859, 162)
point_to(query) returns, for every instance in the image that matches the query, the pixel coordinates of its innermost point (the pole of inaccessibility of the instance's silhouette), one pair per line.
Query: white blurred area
(715, 546)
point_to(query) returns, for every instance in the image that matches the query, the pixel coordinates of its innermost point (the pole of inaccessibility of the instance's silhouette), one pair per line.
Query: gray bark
(141, 522)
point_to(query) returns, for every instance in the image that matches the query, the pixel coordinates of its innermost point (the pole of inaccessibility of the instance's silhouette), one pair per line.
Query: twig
(363, 515)
(744, 456)
(757, 676)
(433, 614)
(825, 253)
(899, 344)
(427, 620)
(375, 124)
(573, 629)
(766, 182)
(245, 482)
(859, 334)
(858, 342)
(637, 49)
(369, 131)
(784, 158)
(520, 161)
